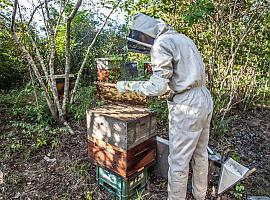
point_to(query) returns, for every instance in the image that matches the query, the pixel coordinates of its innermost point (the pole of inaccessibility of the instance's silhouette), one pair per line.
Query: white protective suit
(177, 64)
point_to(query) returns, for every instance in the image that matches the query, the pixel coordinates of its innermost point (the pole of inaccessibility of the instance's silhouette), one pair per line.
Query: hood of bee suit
(144, 31)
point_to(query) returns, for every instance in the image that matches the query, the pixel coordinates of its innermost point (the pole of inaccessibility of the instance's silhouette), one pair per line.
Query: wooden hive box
(122, 126)
(124, 163)
(108, 92)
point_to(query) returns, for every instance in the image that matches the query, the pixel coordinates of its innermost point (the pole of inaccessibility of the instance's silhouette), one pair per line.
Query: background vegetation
(233, 37)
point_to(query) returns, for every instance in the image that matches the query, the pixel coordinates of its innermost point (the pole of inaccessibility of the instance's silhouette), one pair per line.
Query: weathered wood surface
(121, 125)
(124, 163)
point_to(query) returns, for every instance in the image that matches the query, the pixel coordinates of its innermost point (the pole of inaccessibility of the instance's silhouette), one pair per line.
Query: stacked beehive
(122, 142)
(108, 69)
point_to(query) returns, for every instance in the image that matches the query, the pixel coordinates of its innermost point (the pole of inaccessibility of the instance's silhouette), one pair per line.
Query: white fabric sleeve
(157, 85)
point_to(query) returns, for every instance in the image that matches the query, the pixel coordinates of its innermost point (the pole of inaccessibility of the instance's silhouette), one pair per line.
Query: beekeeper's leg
(200, 155)
(184, 133)
(200, 164)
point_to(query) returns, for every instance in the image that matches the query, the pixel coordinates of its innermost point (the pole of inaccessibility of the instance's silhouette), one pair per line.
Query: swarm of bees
(108, 92)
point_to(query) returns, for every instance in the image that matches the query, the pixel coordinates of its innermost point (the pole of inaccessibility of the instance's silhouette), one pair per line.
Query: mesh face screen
(141, 37)
(134, 47)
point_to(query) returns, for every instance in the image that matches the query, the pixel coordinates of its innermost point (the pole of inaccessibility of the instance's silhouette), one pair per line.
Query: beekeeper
(177, 65)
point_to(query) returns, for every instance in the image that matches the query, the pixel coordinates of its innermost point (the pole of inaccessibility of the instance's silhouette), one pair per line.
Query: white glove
(121, 86)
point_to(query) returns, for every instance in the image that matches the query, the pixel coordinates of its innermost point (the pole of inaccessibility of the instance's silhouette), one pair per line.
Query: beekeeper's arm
(161, 59)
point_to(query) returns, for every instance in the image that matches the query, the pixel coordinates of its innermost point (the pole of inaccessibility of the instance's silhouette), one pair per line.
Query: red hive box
(124, 163)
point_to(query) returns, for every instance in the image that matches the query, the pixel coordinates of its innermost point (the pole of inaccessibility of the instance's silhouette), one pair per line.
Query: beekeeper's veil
(143, 33)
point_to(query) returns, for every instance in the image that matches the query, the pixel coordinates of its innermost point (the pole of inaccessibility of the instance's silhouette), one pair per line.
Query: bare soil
(64, 172)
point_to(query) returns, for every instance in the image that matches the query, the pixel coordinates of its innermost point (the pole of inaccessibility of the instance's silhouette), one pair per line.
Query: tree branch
(51, 63)
(15, 6)
(241, 40)
(37, 74)
(67, 53)
(42, 14)
(75, 10)
(60, 16)
(33, 84)
(232, 60)
(6, 18)
(87, 53)
(34, 11)
(31, 61)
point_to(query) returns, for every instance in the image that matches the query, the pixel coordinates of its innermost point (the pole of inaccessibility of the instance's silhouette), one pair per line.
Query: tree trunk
(67, 54)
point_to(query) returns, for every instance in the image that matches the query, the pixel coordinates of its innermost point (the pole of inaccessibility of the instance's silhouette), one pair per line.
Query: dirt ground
(248, 139)
(66, 173)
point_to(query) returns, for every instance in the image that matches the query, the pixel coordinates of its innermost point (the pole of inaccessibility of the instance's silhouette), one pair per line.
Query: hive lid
(122, 112)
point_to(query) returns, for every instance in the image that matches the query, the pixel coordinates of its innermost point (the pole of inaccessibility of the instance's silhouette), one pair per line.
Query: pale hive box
(120, 125)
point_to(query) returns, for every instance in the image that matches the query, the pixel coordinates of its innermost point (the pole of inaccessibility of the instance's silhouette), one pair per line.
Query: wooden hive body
(124, 163)
(122, 126)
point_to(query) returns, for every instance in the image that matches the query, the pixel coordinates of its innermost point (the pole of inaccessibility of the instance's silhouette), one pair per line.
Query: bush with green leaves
(13, 68)
(159, 106)
(85, 99)
(219, 127)
(239, 191)
(30, 106)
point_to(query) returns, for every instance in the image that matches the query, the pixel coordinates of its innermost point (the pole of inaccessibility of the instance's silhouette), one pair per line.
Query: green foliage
(55, 142)
(235, 156)
(14, 178)
(83, 169)
(31, 127)
(6, 101)
(13, 68)
(64, 196)
(14, 147)
(239, 191)
(79, 170)
(37, 113)
(84, 100)
(41, 141)
(60, 40)
(27, 109)
(40, 135)
(198, 11)
(139, 195)
(219, 127)
(89, 195)
(161, 109)
(4, 4)
(110, 43)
